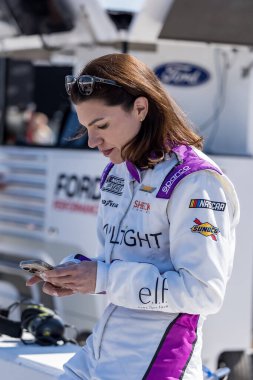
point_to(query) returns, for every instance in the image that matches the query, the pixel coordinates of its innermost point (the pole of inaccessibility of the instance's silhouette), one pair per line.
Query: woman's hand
(68, 279)
(33, 280)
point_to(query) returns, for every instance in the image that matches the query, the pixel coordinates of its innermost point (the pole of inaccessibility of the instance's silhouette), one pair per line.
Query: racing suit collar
(134, 171)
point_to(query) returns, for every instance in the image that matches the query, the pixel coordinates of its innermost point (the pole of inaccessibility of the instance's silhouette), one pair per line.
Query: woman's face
(110, 127)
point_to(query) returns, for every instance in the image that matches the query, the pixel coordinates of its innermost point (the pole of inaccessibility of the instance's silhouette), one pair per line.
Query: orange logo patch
(206, 229)
(147, 189)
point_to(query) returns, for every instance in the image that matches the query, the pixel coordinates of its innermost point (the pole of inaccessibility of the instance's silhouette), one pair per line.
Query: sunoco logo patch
(205, 203)
(206, 229)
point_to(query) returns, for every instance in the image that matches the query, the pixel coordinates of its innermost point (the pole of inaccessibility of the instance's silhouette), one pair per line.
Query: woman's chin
(116, 160)
(115, 157)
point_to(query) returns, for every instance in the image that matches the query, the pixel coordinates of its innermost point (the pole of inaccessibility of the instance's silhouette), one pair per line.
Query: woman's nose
(94, 140)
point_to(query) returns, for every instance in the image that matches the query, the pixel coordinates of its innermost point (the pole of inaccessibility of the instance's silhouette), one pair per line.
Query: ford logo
(181, 74)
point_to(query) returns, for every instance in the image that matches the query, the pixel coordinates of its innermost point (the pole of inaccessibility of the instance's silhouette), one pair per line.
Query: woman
(165, 229)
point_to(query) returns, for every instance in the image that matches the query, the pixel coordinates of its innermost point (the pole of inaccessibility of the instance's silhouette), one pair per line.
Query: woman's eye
(103, 126)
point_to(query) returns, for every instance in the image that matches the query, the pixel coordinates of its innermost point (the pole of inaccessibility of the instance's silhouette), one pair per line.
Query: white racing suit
(166, 245)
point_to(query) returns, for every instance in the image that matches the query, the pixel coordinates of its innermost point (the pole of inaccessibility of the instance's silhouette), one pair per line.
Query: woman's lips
(107, 152)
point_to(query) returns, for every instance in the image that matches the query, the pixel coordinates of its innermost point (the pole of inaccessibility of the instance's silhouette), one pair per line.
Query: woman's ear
(141, 107)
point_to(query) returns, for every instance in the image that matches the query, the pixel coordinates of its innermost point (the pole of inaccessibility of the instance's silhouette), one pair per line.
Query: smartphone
(35, 266)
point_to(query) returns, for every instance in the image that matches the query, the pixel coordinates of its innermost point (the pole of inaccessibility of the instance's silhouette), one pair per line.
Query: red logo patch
(142, 206)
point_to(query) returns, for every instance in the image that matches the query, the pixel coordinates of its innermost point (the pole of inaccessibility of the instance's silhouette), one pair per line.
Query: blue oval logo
(181, 74)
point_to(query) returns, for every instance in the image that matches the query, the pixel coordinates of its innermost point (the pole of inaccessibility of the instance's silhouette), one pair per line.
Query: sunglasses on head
(86, 83)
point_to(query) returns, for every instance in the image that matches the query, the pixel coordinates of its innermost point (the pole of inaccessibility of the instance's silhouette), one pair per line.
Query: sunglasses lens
(69, 81)
(86, 84)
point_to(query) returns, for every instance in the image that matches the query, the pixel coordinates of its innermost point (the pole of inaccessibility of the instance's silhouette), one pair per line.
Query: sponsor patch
(179, 173)
(114, 185)
(141, 206)
(109, 203)
(131, 238)
(147, 189)
(206, 229)
(205, 203)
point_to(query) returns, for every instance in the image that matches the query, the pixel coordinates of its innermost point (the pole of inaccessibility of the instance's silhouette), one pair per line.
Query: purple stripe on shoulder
(175, 350)
(135, 173)
(105, 173)
(189, 162)
(82, 257)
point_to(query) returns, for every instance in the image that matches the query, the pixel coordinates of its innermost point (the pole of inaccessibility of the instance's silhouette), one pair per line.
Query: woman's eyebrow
(95, 120)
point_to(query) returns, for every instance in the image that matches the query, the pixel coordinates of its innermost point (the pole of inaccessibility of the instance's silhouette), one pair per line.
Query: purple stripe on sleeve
(189, 162)
(105, 173)
(175, 349)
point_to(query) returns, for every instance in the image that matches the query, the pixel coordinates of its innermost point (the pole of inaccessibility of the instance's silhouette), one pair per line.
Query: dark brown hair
(165, 124)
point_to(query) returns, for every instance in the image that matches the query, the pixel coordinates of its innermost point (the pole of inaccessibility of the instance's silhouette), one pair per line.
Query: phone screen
(35, 266)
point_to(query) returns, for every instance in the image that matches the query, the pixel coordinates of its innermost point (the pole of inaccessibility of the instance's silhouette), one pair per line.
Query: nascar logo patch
(206, 229)
(205, 203)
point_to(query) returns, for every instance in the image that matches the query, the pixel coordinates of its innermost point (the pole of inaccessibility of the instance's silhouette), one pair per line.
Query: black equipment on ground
(44, 324)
